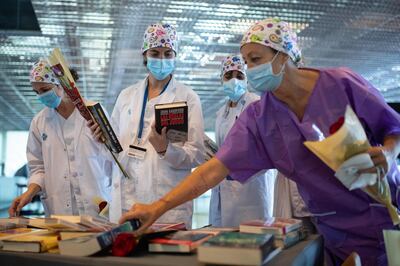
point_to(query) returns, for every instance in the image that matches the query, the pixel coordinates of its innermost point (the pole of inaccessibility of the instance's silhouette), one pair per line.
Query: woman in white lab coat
(232, 202)
(65, 162)
(154, 165)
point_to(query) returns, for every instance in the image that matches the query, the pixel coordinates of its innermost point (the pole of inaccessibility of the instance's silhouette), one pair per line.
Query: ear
(145, 59)
(283, 58)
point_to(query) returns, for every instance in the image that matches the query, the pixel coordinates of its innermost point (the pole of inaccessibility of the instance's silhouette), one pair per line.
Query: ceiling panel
(102, 41)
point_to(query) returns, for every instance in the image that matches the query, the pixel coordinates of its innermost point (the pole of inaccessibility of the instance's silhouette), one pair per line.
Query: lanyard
(146, 95)
(241, 101)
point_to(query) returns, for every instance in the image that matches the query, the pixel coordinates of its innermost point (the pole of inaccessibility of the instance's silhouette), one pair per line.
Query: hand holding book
(159, 141)
(91, 111)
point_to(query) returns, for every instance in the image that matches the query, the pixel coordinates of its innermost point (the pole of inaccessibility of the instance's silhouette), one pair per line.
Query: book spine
(158, 120)
(111, 137)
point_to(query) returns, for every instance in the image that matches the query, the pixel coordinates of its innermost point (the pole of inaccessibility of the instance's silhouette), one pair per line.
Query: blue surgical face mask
(160, 68)
(50, 99)
(262, 77)
(234, 88)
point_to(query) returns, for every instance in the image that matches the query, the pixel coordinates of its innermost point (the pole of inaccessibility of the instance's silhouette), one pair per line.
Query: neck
(296, 85)
(66, 108)
(158, 85)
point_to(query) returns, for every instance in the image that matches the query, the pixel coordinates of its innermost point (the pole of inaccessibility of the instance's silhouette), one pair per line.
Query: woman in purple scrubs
(302, 104)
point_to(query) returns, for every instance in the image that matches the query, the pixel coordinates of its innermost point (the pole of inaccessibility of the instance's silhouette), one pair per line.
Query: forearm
(202, 179)
(33, 189)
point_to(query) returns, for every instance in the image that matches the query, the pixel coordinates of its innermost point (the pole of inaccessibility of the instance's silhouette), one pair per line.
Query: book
(290, 239)
(5, 234)
(55, 224)
(68, 235)
(37, 242)
(91, 223)
(273, 225)
(92, 244)
(178, 242)
(173, 116)
(236, 248)
(61, 70)
(101, 119)
(392, 244)
(167, 226)
(13, 222)
(210, 146)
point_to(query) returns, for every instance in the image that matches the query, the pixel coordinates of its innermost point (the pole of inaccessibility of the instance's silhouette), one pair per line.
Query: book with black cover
(99, 115)
(174, 116)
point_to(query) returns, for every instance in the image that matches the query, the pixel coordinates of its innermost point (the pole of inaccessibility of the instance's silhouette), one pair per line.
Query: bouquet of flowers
(344, 151)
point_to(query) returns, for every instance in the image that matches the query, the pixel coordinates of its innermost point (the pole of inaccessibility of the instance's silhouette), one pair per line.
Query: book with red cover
(173, 116)
(178, 242)
(273, 225)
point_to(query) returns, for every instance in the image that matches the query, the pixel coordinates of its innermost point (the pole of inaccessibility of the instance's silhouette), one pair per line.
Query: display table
(308, 252)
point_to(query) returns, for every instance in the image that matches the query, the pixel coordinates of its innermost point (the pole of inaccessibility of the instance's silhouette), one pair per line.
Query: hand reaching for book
(95, 130)
(147, 214)
(19, 202)
(159, 141)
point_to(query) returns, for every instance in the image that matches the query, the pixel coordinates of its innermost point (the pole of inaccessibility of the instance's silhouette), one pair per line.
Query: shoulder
(186, 92)
(41, 115)
(126, 94)
(343, 74)
(251, 97)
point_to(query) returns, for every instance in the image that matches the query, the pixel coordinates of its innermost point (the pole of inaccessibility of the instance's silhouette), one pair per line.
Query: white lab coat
(232, 202)
(287, 201)
(154, 176)
(49, 165)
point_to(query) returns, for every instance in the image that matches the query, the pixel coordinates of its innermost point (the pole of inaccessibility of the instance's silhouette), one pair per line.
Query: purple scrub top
(269, 135)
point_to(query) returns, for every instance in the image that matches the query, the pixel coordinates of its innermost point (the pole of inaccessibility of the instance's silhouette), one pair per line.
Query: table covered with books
(306, 252)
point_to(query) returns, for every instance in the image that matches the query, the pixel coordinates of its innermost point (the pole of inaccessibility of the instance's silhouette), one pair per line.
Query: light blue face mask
(262, 77)
(160, 68)
(234, 88)
(50, 99)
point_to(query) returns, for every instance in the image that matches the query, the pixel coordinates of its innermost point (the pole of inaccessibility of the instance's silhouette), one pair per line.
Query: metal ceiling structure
(102, 40)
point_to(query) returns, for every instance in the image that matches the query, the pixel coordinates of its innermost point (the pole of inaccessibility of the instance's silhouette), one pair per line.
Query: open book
(95, 113)
(350, 140)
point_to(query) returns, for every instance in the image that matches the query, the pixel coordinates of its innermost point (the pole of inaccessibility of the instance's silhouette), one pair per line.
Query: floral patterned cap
(41, 72)
(233, 62)
(160, 35)
(274, 33)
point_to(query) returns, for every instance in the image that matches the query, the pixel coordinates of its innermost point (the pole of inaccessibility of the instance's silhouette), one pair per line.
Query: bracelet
(162, 152)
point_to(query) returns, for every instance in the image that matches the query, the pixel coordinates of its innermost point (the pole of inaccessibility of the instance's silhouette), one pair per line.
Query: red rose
(336, 126)
(102, 205)
(124, 244)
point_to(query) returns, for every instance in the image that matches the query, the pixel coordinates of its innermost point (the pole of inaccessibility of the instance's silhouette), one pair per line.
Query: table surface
(307, 252)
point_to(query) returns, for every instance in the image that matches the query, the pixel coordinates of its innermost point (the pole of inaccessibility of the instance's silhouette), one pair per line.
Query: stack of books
(287, 231)
(237, 248)
(70, 235)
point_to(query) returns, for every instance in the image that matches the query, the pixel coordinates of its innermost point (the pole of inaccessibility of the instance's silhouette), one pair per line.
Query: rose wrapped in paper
(348, 142)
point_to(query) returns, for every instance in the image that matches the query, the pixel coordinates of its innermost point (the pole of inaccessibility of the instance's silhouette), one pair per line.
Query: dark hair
(74, 74)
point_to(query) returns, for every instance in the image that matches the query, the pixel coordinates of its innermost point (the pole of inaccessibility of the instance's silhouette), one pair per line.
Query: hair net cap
(233, 62)
(274, 33)
(41, 72)
(158, 36)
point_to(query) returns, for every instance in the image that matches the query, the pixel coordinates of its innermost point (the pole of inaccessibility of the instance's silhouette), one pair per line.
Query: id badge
(137, 152)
